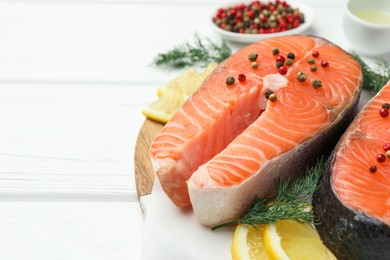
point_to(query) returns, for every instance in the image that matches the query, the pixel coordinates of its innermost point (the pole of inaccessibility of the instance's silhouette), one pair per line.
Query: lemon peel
(173, 94)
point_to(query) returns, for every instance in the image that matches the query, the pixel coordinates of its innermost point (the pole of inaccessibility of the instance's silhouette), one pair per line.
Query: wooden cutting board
(144, 175)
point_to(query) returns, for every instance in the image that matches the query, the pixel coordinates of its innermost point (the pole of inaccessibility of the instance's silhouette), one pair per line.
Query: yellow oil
(374, 16)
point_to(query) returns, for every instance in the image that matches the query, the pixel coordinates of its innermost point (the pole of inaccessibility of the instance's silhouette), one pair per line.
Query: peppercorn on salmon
(353, 201)
(229, 142)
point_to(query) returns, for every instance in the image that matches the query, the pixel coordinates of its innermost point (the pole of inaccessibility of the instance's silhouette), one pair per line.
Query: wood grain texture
(74, 76)
(70, 230)
(144, 175)
(69, 142)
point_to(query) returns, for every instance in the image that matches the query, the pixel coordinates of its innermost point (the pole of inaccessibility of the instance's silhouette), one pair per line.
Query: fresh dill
(290, 201)
(201, 52)
(374, 79)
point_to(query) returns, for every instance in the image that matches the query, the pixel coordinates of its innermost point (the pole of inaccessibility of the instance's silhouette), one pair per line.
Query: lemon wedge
(189, 80)
(248, 243)
(210, 68)
(292, 240)
(163, 108)
(173, 94)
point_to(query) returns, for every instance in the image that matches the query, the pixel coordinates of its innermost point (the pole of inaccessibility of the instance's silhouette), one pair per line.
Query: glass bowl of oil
(367, 26)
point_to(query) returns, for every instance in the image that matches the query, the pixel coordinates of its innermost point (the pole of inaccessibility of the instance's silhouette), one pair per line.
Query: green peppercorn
(254, 65)
(240, 25)
(275, 51)
(272, 97)
(253, 56)
(317, 83)
(289, 62)
(311, 61)
(273, 24)
(386, 106)
(268, 93)
(313, 68)
(279, 64)
(291, 56)
(301, 76)
(301, 18)
(229, 80)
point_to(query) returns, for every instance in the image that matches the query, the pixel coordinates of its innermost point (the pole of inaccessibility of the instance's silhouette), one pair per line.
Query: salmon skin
(228, 143)
(353, 203)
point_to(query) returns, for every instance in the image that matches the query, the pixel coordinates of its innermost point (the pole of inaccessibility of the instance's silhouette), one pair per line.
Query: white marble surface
(73, 77)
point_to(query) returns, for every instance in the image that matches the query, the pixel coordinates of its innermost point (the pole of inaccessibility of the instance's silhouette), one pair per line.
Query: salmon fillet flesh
(228, 143)
(352, 203)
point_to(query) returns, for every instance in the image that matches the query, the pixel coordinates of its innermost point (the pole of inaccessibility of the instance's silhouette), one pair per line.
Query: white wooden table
(73, 77)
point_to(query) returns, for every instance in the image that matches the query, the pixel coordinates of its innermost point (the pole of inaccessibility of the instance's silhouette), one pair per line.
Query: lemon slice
(175, 93)
(210, 68)
(163, 108)
(291, 240)
(248, 243)
(189, 81)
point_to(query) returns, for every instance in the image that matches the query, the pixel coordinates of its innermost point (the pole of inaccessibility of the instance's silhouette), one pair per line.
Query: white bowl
(366, 38)
(250, 38)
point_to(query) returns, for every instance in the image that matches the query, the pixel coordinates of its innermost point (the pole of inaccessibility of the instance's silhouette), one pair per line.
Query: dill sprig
(290, 201)
(202, 52)
(302, 188)
(374, 79)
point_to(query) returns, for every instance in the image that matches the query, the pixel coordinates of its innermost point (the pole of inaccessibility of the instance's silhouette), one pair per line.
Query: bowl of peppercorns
(256, 20)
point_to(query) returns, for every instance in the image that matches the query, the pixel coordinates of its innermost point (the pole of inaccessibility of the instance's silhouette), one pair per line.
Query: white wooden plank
(166, 2)
(69, 139)
(89, 42)
(104, 41)
(64, 230)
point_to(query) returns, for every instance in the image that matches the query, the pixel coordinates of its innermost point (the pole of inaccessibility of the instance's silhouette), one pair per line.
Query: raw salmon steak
(228, 143)
(353, 202)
